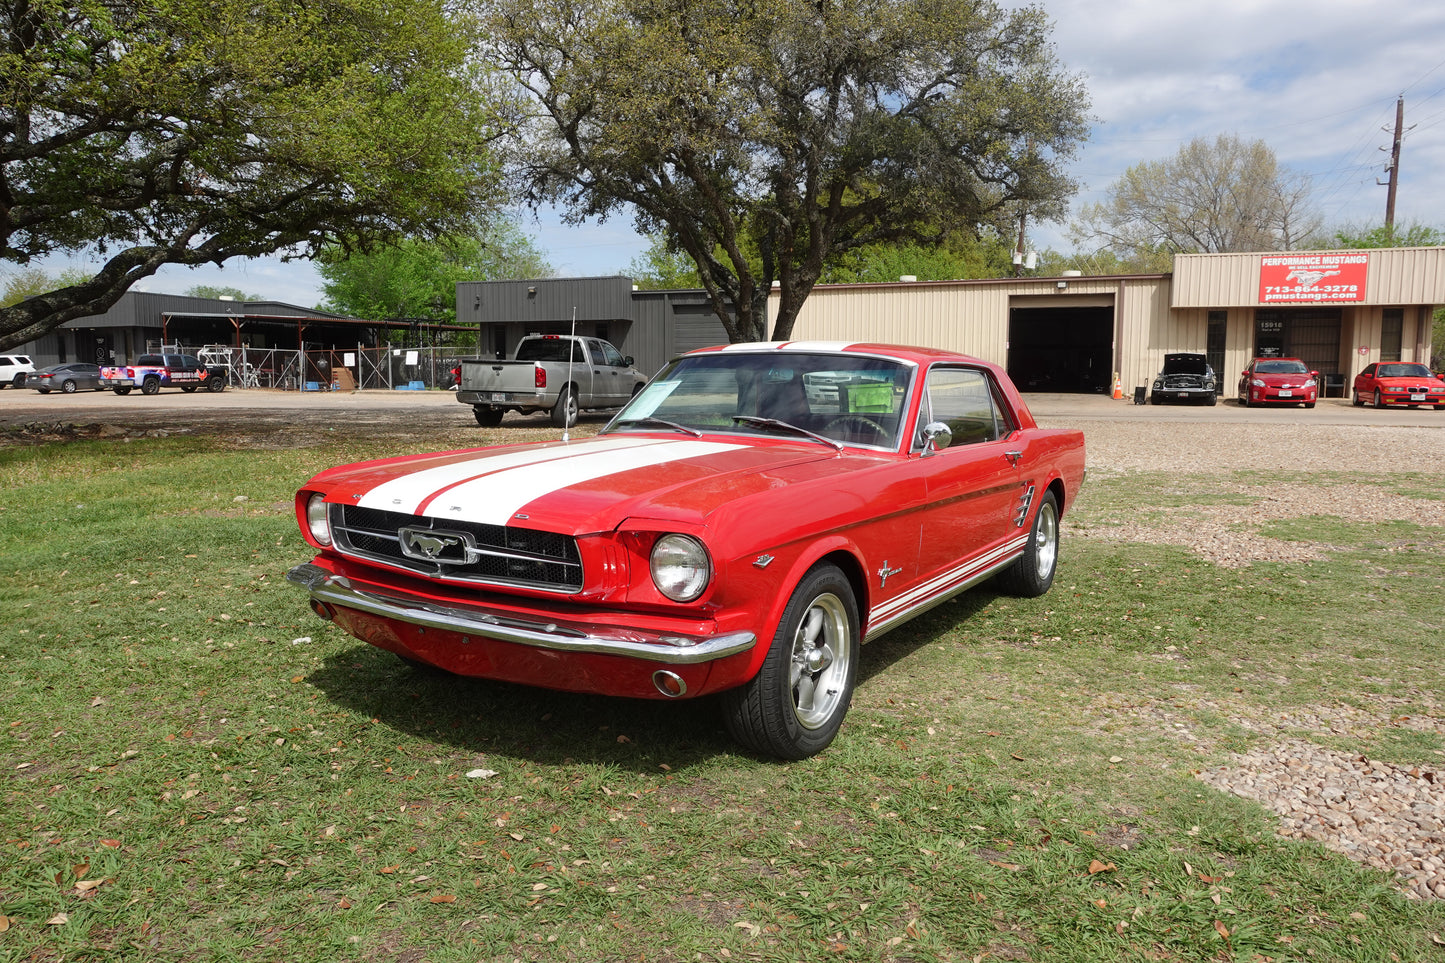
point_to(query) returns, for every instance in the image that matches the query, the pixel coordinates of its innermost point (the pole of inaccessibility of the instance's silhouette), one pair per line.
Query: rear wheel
(795, 704)
(150, 386)
(121, 391)
(564, 412)
(215, 384)
(1033, 573)
(487, 417)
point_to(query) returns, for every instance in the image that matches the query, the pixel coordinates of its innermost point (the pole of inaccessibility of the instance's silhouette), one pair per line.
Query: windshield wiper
(776, 425)
(661, 423)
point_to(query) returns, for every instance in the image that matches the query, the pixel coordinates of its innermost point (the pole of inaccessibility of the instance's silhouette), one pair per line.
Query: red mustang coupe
(741, 527)
(1398, 383)
(1278, 381)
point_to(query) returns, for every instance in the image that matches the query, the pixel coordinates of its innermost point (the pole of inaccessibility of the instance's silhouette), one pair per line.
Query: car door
(603, 389)
(974, 485)
(618, 373)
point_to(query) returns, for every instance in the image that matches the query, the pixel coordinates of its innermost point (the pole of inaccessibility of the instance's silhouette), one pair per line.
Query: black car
(1186, 377)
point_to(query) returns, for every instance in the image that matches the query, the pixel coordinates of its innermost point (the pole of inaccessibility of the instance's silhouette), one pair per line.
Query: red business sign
(1312, 277)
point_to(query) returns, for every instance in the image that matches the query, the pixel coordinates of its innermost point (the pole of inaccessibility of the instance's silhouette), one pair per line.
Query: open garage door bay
(1062, 347)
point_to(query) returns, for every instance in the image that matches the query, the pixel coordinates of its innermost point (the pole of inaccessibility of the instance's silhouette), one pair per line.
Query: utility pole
(1394, 168)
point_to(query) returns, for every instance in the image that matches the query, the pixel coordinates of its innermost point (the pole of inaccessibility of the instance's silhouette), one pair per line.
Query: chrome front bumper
(328, 589)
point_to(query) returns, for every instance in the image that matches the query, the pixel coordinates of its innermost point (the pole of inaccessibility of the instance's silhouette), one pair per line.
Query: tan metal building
(1336, 310)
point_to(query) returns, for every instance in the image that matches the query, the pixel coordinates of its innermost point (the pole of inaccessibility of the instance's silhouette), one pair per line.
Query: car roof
(906, 353)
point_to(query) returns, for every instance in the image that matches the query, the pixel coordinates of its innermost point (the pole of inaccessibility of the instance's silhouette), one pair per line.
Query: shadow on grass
(540, 725)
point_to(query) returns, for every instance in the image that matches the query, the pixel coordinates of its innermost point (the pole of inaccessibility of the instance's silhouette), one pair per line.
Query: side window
(594, 351)
(966, 400)
(612, 356)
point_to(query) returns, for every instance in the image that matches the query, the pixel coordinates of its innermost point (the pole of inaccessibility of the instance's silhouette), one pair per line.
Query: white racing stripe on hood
(494, 499)
(406, 493)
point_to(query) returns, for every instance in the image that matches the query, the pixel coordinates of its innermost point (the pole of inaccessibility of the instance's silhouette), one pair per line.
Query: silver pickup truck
(540, 377)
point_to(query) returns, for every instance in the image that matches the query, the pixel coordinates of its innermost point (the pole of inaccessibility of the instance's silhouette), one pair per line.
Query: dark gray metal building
(650, 326)
(141, 319)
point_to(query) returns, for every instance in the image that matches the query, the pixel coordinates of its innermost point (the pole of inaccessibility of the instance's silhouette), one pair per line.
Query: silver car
(69, 378)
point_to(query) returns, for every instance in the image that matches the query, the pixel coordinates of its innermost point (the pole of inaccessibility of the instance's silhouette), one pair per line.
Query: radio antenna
(567, 393)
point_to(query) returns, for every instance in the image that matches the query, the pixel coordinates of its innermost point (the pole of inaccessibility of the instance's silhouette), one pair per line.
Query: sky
(1317, 81)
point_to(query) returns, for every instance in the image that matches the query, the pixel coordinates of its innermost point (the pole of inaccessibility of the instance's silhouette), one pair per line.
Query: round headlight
(680, 567)
(316, 521)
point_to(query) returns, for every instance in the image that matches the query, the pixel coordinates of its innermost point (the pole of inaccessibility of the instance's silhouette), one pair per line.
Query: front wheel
(564, 412)
(1033, 573)
(795, 704)
(487, 417)
(1212, 400)
(68, 386)
(1379, 403)
(1355, 398)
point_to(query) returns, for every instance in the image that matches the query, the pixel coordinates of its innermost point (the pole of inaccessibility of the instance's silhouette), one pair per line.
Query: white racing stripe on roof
(406, 493)
(495, 498)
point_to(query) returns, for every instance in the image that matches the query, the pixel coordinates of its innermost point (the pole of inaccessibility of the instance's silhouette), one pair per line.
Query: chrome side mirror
(936, 437)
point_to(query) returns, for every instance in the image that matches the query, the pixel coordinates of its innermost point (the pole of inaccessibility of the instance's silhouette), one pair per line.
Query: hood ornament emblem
(440, 547)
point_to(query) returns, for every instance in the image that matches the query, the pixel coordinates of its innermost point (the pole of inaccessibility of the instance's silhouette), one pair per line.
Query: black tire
(19, 380)
(121, 391)
(150, 386)
(795, 704)
(564, 412)
(487, 417)
(189, 389)
(1309, 404)
(1213, 399)
(1156, 400)
(215, 384)
(1355, 399)
(1033, 574)
(68, 386)
(1244, 398)
(1379, 402)
(43, 391)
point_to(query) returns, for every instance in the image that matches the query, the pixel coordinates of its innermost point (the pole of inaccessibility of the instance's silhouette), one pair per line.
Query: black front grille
(465, 551)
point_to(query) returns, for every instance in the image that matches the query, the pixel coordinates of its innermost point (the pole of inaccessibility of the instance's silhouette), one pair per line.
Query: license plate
(1417, 397)
(1286, 394)
(1184, 394)
(499, 396)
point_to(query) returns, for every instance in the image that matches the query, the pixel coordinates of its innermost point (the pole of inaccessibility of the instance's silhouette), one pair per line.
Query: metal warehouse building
(1336, 310)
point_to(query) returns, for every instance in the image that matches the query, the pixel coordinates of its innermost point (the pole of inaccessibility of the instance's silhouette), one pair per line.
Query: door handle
(1013, 456)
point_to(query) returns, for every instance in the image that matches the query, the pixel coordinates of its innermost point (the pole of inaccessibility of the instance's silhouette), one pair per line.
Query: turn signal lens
(316, 521)
(681, 568)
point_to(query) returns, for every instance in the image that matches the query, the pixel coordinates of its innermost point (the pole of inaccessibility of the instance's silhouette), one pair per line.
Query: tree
(663, 267)
(796, 129)
(1412, 235)
(1227, 196)
(418, 278)
(147, 132)
(31, 281)
(989, 256)
(222, 292)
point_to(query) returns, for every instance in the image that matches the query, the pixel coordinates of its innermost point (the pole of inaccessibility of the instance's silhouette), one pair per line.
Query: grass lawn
(196, 768)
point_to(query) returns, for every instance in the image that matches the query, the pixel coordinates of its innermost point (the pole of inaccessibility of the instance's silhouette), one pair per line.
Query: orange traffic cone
(1118, 388)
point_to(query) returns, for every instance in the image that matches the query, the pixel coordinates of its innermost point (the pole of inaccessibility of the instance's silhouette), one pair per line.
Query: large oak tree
(766, 137)
(148, 132)
(1225, 196)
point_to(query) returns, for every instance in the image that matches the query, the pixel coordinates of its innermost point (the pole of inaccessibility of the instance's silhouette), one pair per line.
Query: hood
(1195, 364)
(578, 487)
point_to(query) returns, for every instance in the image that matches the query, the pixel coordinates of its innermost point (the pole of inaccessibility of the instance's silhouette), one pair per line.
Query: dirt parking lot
(1333, 436)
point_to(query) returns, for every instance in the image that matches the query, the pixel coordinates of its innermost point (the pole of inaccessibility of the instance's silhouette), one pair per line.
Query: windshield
(1404, 371)
(852, 399)
(1281, 367)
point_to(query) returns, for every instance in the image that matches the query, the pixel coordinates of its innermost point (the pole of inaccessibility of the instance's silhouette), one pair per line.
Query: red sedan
(1398, 383)
(741, 527)
(1286, 381)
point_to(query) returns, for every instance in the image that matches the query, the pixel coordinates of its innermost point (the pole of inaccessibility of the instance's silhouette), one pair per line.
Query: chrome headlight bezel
(681, 567)
(318, 523)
